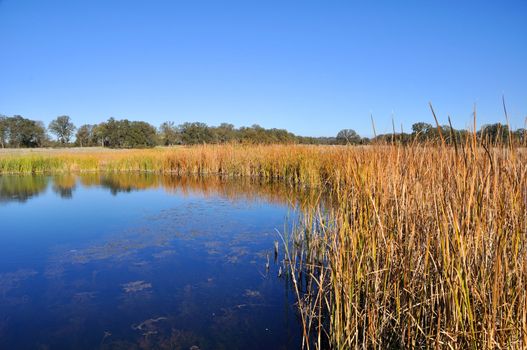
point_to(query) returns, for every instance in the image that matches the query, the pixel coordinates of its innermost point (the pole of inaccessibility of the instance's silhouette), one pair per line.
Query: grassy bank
(296, 164)
(426, 246)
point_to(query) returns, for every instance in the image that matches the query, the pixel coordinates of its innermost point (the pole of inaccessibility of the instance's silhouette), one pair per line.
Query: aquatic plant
(426, 248)
(136, 286)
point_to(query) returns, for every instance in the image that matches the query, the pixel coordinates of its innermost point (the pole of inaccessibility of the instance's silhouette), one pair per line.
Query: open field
(71, 150)
(426, 246)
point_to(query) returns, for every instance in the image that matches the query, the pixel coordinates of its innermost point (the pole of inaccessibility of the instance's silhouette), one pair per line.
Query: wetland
(143, 261)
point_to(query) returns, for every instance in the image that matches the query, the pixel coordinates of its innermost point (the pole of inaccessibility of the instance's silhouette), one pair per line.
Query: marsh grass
(427, 248)
(423, 246)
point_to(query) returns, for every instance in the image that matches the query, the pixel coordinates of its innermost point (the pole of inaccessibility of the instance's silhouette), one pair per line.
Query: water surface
(138, 261)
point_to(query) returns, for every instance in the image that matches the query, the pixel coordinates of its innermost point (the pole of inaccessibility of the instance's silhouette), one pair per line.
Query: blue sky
(312, 67)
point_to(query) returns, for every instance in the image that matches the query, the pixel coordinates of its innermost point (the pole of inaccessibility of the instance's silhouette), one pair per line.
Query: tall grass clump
(425, 248)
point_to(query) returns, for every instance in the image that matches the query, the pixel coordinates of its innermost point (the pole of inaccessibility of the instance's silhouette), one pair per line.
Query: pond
(140, 261)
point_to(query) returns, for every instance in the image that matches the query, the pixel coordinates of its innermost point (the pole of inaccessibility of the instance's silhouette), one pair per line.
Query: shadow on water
(143, 261)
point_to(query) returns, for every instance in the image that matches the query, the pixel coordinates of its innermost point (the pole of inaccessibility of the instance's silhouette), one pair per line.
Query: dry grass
(426, 246)
(426, 249)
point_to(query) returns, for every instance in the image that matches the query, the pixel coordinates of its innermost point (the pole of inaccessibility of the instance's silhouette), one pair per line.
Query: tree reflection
(25, 187)
(21, 188)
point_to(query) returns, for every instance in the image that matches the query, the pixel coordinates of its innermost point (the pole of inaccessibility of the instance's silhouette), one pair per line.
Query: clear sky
(312, 67)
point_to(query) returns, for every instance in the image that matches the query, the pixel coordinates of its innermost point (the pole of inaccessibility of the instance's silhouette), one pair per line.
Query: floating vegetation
(164, 254)
(252, 293)
(105, 336)
(11, 280)
(119, 246)
(169, 339)
(136, 286)
(233, 259)
(54, 270)
(213, 252)
(148, 327)
(177, 339)
(84, 297)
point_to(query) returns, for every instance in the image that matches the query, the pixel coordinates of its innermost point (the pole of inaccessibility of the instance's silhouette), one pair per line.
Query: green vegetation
(348, 136)
(17, 132)
(89, 135)
(496, 134)
(127, 134)
(63, 128)
(117, 134)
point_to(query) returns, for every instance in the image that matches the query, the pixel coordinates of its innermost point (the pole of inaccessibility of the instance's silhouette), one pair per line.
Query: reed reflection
(23, 188)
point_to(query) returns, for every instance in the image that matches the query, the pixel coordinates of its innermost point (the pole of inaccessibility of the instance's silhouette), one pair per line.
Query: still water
(138, 261)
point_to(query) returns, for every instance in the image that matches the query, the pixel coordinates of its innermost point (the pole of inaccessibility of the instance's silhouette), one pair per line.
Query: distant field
(267, 161)
(51, 151)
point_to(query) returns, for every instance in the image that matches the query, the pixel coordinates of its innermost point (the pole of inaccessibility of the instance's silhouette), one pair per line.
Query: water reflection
(64, 185)
(141, 261)
(22, 188)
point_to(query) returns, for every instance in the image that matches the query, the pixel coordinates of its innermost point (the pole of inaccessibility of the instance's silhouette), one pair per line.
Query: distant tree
(169, 134)
(4, 128)
(110, 133)
(100, 134)
(195, 133)
(521, 136)
(17, 131)
(85, 136)
(258, 134)
(24, 132)
(495, 133)
(126, 134)
(281, 136)
(348, 136)
(225, 132)
(253, 134)
(140, 134)
(365, 141)
(421, 128)
(422, 131)
(63, 128)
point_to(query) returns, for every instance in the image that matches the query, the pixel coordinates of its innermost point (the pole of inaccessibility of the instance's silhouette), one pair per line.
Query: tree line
(491, 134)
(19, 132)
